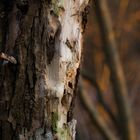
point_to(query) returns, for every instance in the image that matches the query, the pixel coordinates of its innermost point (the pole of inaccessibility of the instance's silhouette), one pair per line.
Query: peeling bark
(37, 93)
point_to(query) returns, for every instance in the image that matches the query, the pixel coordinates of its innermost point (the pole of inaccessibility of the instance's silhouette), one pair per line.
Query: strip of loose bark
(117, 76)
(95, 117)
(8, 58)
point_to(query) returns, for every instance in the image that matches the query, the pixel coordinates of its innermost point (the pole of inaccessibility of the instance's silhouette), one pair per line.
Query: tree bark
(37, 89)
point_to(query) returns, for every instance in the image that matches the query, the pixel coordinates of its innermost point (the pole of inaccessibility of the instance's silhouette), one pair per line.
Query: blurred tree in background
(99, 84)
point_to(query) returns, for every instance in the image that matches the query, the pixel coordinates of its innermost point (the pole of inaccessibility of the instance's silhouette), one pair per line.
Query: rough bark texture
(36, 94)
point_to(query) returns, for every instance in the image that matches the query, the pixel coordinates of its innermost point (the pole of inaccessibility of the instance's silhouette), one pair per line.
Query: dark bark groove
(27, 39)
(38, 91)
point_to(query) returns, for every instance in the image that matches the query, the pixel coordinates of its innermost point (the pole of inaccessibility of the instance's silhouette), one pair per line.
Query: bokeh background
(125, 16)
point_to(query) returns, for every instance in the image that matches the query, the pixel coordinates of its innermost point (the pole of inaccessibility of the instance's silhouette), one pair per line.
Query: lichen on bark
(57, 6)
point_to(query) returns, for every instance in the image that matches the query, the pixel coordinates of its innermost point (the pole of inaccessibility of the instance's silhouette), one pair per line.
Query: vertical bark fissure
(37, 93)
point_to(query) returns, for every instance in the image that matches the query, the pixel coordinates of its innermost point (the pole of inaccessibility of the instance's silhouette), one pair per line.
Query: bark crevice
(37, 94)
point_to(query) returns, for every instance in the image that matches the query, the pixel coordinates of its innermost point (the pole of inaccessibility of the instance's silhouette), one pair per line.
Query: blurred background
(97, 111)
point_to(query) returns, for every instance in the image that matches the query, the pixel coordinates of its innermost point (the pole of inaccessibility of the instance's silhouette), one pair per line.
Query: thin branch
(100, 96)
(117, 76)
(96, 118)
(121, 15)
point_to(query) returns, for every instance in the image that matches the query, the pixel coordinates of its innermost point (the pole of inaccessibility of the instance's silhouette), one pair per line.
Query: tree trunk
(40, 45)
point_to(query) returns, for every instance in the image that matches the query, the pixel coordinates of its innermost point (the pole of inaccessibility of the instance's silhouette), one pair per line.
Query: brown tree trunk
(40, 45)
